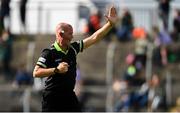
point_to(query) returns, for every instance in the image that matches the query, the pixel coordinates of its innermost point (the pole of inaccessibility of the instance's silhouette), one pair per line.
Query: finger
(112, 11)
(106, 17)
(65, 69)
(65, 64)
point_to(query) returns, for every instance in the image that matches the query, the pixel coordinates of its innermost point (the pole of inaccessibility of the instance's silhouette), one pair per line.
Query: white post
(30, 55)
(168, 88)
(109, 75)
(26, 100)
(149, 61)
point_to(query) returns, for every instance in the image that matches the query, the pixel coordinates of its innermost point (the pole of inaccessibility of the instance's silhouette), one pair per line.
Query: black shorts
(53, 101)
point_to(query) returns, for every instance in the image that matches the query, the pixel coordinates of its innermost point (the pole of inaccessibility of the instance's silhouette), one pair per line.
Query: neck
(64, 48)
(61, 46)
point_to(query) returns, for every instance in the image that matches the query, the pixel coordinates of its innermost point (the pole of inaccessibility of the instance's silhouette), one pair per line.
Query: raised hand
(112, 15)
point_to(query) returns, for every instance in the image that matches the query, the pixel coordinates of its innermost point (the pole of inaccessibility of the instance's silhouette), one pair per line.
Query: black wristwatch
(56, 70)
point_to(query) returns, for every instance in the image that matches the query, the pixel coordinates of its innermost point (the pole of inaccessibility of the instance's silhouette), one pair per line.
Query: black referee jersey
(58, 94)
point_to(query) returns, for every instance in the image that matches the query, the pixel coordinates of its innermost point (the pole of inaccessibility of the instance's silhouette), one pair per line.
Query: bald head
(64, 33)
(62, 27)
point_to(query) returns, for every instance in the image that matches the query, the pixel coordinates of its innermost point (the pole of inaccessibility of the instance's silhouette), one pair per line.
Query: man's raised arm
(99, 34)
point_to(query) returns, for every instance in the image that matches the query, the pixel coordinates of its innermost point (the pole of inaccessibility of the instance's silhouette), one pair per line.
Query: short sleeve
(44, 59)
(77, 46)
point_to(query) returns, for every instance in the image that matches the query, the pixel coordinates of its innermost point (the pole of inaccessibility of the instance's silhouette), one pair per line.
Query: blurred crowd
(6, 43)
(138, 92)
(135, 91)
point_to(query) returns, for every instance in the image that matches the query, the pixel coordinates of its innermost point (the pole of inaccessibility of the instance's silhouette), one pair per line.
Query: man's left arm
(99, 34)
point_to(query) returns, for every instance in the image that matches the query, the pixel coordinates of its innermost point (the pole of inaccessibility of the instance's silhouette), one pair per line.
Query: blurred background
(134, 68)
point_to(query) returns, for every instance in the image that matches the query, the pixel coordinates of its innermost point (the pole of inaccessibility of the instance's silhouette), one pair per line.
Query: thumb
(107, 18)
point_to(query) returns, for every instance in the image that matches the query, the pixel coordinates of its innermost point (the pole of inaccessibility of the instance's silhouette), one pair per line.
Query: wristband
(56, 70)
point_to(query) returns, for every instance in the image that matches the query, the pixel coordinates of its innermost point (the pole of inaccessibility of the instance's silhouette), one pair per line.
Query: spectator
(124, 31)
(134, 74)
(164, 8)
(140, 46)
(176, 26)
(6, 44)
(138, 99)
(4, 14)
(123, 104)
(1, 48)
(23, 14)
(131, 79)
(154, 97)
(22, 77)
(94, 22)
(131, 71)
(161, 40)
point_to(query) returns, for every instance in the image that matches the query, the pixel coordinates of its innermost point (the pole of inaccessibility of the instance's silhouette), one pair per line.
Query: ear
(61, 33)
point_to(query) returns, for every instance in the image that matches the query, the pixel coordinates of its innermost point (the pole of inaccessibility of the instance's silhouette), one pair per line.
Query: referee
(58, 64)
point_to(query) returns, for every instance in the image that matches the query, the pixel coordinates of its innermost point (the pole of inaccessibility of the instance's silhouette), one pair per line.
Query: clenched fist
(62, 67)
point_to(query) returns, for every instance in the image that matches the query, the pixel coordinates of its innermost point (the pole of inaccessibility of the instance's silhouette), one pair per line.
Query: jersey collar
(58, 48)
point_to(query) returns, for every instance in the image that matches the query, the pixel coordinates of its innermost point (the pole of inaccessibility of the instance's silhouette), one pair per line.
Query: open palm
(112, 15)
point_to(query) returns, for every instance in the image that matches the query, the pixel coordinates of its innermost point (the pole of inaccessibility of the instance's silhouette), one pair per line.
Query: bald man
(58, 64)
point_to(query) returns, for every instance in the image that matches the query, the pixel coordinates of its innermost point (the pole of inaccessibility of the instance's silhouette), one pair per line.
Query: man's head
(64, 34)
